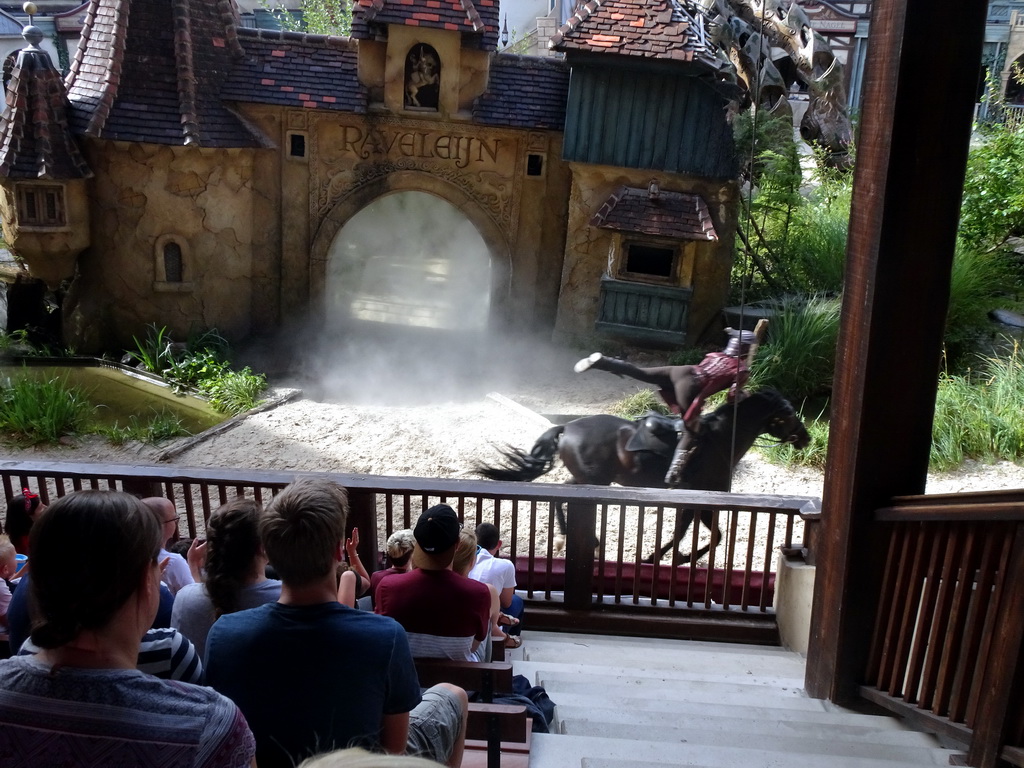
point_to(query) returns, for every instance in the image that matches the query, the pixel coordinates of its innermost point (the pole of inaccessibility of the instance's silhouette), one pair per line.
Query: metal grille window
(173, 263)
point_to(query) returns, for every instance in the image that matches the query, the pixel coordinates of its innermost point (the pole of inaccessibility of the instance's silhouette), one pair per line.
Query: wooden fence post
(581, 520)
(362, 514)
(1003, 669)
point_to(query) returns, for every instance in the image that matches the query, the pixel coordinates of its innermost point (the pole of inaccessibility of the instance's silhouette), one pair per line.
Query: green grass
(36, 411)
(799, 357)
(639, 403)
(161, 425)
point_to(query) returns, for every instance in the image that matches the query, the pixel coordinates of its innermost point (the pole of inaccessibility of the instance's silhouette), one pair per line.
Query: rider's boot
(587, 362)
(684, 451)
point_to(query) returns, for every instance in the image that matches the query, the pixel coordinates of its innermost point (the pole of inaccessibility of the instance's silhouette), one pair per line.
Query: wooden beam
(920, 86)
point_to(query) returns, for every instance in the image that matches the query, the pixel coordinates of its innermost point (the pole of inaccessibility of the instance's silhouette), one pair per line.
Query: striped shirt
(163, 653)
(81, 718)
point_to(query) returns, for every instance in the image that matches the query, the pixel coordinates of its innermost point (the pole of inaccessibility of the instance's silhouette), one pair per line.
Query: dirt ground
(431, 412)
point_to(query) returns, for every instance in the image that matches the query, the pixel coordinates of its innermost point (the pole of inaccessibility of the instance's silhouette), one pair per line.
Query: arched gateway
(412, 259)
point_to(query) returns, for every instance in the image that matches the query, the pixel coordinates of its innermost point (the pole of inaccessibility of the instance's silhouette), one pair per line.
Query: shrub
(799, 357)
(161, 425)
(42, 410)
(235, 391)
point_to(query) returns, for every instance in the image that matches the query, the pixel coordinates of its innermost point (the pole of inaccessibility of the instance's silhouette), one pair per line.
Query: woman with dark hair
(94, 592)
(235, 573)
(22, 511)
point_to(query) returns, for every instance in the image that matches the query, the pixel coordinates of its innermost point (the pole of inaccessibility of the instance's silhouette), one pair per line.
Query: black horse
(601, 450)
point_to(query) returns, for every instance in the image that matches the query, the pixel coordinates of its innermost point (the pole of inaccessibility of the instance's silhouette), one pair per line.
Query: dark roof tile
(476, 19)
(263, 76)
(35, 139)
(676, 215)
(167, 58)
(524, 92)
(658, 29)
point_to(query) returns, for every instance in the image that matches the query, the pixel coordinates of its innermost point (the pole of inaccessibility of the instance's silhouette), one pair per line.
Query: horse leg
(683, 523)
(708, 518)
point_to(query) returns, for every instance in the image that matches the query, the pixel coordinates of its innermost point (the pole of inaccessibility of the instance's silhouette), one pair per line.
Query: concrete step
(561, 751)
(579, 719)
(557, 671)
(834, 741)
(601, 689)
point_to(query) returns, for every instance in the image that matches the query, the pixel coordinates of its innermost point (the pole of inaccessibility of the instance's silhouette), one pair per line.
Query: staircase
(627, 702)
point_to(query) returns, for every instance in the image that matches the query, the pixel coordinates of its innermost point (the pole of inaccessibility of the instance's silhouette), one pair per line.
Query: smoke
(407, 303)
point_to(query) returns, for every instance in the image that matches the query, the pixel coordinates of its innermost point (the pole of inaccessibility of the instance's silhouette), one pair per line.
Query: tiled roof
(151, 71)
(478, 18)
(35, 139)
(652, 29)
(294, 69)
(678, 215)
(524, 92)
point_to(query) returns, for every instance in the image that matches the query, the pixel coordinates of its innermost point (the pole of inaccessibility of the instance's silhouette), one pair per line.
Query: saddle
(656, 433)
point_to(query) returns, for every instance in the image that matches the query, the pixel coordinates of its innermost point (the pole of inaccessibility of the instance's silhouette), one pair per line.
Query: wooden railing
(725, 594)
(946, 651)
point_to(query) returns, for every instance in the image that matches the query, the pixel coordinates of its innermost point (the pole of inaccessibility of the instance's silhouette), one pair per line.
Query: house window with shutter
(41, 205)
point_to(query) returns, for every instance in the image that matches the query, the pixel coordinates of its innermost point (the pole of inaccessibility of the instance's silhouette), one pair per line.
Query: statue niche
(422, 78)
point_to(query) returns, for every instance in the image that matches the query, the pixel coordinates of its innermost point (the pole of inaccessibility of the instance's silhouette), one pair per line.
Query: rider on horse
(684, 388)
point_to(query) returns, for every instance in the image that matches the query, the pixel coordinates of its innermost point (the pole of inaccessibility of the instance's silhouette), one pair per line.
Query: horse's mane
(771, 400)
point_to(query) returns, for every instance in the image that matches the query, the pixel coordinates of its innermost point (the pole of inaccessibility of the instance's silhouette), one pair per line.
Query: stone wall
(141, 196)
(590, 251)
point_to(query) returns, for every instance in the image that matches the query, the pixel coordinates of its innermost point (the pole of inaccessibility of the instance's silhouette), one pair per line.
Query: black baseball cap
(438, 529)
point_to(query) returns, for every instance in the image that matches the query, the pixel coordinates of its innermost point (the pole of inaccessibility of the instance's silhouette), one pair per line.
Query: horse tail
(518, 465)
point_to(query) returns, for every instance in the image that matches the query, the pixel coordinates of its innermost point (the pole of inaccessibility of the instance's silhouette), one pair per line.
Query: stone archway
(409, 258)
(456, 203)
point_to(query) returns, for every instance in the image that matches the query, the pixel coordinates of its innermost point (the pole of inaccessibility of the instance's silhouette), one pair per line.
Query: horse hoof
(587, 362)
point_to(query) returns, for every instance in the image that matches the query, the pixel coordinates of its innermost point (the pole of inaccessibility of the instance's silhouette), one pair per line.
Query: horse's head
(782, 422)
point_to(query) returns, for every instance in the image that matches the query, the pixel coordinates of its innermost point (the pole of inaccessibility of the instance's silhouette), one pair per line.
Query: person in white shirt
(176, 574)
(499, 572)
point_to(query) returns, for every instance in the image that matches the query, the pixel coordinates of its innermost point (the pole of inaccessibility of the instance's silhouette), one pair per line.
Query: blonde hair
(6, 548)
(465, 553)
(357, 757)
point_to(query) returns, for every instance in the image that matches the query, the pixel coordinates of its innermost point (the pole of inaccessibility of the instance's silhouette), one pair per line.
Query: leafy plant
(196, 367)
(319, 17)
(798, 358)
(235, 391)
(154, 352)
(42, 410)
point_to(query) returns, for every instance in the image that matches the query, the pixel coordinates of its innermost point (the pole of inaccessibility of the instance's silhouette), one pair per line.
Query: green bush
(42, 410)
(980, 415)
(992, 207)
(799, 357)
(235, 391)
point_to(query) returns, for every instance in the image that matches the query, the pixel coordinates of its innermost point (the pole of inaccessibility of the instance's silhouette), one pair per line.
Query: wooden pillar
(362, 514)
(581, 519)
(920, 85)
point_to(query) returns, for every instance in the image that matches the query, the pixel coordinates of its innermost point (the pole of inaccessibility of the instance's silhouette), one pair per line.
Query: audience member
(465, 557)
(399, 547)
(22, 510)
(8, 565)
(445, 615)
(311, 674)
(490, 568)
(353, 580)
(81, 696)
(176, 573)
(235, 572)
(357, 757)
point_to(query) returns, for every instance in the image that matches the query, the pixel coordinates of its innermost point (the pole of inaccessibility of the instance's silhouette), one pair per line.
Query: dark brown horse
(601, 450)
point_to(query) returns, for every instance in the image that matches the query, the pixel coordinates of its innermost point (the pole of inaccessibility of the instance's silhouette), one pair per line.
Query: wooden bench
(493, 730)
